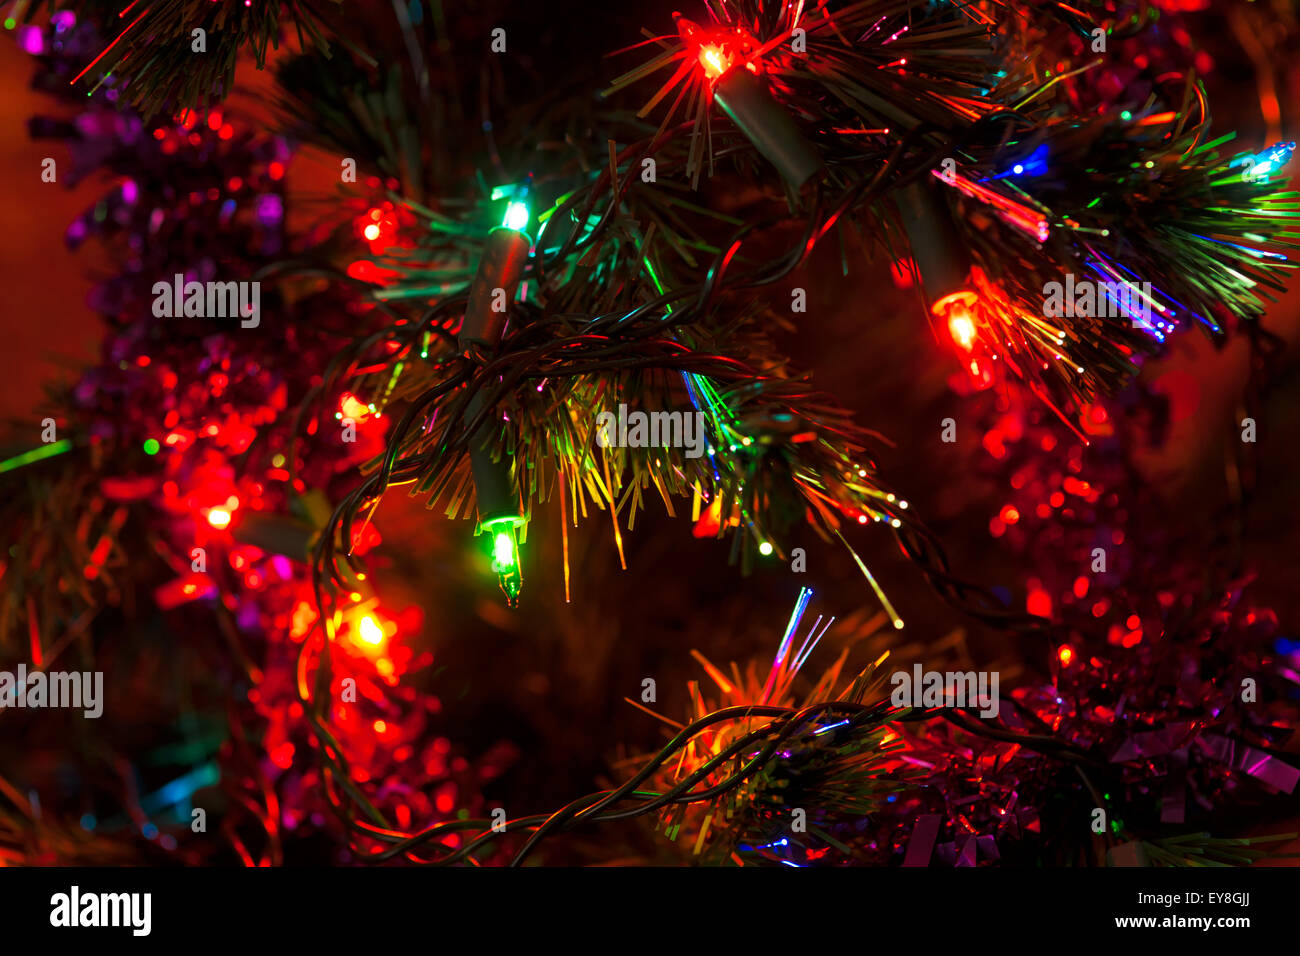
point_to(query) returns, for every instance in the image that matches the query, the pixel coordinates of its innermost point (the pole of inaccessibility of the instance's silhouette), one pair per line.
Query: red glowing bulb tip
(957, 309)
(715, 53)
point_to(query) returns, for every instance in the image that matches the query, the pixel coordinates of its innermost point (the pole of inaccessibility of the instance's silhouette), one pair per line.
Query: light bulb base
(505, 256)
(495, 490)
(766, 124)
(941, 260)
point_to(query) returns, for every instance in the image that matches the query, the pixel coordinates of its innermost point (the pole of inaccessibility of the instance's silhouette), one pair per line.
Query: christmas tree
(761, 434)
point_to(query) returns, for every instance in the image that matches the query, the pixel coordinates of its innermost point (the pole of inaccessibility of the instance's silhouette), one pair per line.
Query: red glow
(1065, 655)
(365, 538)
(282, 756)
(710, 521)
(956, 308)
(717, 50)
(1073, 486)
(994, 442)
(1039, 603)
(189, 587)
(715, 61)
(901, 271)
(366, 271)
(127, 489)
(446, 800)
(381, 226)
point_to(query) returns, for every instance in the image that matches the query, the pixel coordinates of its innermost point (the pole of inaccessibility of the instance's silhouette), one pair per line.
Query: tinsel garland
(191, 441)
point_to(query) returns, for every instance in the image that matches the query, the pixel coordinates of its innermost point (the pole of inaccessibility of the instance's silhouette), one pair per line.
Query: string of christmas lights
(471, 343)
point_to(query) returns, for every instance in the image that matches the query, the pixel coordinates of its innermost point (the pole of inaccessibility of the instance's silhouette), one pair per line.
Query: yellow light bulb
(371, 632)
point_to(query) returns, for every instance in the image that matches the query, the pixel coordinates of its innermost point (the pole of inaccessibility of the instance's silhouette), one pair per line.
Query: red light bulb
(962, 327)
(957, 310)
(714, 53)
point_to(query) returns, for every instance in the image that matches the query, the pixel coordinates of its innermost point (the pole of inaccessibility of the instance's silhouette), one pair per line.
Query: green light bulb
(505, 562)
(517, 216)
(503, 551)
